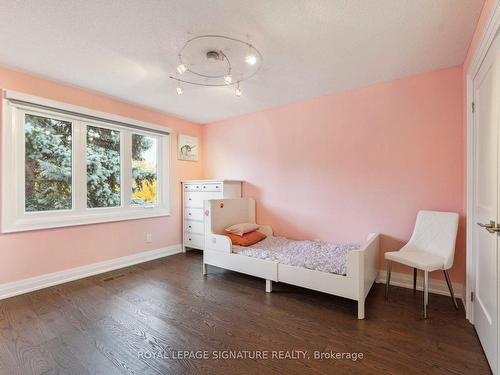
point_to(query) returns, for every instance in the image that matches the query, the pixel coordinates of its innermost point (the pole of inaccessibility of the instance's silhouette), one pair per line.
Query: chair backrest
(435, 233)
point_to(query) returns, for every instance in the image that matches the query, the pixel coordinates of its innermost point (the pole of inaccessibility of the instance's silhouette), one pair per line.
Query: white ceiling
(128, 48)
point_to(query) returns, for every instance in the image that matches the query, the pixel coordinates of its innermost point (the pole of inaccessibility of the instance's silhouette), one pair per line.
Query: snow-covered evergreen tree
(48, 144)
(48, 152)
(103, 167)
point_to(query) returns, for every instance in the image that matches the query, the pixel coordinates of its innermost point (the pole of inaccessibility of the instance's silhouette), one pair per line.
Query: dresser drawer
(193, 187)
(211, 187)
(192, 226)
(194, 214)
(194, 199)
(194, 240)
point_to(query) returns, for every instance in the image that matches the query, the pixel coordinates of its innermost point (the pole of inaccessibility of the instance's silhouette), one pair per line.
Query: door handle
(492, 227)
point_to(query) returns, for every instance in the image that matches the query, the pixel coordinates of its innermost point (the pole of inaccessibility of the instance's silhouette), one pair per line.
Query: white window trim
(13, 217)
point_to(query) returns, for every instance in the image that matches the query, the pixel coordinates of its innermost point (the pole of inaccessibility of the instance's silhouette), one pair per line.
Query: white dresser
(194, 193)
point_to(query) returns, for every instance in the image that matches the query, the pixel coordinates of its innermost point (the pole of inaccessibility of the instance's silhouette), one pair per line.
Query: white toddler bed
(345, 271)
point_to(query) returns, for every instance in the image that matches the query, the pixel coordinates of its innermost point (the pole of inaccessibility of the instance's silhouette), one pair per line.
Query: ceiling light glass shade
(251, 59)
(179, 90)
(181, 68)
(228, 79)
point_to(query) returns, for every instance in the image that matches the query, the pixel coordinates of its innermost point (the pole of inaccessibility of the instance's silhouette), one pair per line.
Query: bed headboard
(223, 213)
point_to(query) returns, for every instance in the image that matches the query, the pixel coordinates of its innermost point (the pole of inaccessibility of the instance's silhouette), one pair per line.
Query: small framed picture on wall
(187, 147)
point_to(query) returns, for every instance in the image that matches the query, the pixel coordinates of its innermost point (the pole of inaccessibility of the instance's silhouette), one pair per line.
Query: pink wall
(338, 167)
(35, 253)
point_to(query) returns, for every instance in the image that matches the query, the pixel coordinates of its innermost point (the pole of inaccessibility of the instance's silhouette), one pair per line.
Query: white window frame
(13, 216)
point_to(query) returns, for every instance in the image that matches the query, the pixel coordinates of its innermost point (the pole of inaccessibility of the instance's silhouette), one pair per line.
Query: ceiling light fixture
(216, 61)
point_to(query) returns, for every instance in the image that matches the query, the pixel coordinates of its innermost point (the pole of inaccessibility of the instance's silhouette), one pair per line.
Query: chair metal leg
(414, 280)
(450, 287)
(426, 292)
(388, 281)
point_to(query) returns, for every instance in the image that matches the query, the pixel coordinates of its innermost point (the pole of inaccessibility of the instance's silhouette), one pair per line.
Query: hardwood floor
(127, 321)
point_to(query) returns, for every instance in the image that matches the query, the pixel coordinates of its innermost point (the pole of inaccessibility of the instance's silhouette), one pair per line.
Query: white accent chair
(431, 248)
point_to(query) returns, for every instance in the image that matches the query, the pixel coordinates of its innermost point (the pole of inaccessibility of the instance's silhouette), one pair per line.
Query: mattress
(314, 255)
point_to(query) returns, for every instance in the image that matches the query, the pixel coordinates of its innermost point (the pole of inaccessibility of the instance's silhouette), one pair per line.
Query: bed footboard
(362, 266)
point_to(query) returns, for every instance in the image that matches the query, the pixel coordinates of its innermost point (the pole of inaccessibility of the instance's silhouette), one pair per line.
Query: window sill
(37, 223)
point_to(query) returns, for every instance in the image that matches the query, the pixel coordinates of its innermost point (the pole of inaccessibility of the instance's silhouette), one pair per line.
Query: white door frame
(488, 36)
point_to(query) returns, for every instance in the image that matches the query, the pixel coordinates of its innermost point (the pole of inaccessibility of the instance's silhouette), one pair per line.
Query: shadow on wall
(279, 222)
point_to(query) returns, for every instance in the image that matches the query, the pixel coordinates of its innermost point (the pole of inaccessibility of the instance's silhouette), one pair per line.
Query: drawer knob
(190, 226)
(189, 214)
(190, 199)
(190, 239)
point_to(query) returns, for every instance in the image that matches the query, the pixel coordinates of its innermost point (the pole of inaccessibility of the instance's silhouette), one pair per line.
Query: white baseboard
(44, 281)
(435, 286)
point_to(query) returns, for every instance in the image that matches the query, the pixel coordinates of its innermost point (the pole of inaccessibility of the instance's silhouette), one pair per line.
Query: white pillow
(242, 228)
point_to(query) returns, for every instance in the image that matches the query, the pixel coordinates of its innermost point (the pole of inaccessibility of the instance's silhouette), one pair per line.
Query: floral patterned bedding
(314, 255)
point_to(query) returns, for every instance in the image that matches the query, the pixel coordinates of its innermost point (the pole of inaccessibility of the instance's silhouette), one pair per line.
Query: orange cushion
(248, 239)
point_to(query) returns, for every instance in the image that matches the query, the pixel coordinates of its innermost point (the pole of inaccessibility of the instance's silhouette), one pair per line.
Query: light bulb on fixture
(228, 79)
(238, 90)
(179, 88)
(251, 59)
(181, 68)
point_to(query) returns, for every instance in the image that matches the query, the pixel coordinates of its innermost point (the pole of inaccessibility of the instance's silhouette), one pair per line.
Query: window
(103, 167)
(48, 164)
(144, 170)
(64, 165)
